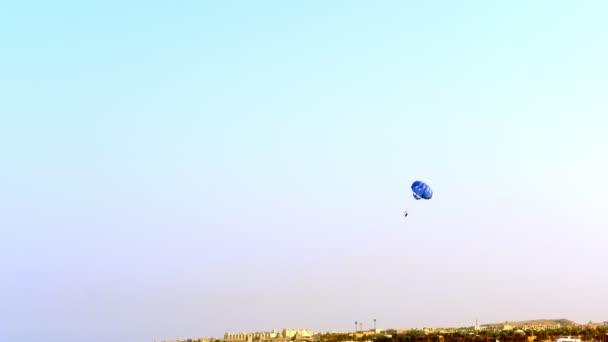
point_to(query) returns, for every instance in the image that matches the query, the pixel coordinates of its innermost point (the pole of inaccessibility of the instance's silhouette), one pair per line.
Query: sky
(183, 169)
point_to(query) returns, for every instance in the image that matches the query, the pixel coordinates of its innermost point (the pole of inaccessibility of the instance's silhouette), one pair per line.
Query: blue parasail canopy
(421, 190)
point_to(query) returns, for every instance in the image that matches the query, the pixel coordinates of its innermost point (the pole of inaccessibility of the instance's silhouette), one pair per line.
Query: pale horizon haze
(183, 169)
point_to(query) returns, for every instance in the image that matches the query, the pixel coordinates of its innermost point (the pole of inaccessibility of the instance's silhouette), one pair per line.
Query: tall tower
(356, 324)
(375, 325)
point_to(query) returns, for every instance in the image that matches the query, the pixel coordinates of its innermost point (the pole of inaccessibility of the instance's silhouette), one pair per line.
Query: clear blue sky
(182, 169)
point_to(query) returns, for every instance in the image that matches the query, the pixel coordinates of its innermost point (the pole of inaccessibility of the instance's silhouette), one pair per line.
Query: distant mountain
(534, 322)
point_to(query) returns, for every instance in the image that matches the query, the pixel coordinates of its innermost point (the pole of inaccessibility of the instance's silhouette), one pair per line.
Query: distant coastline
(537, 330)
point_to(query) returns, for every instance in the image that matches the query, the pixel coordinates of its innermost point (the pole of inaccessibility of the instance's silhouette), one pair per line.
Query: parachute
(420, 190)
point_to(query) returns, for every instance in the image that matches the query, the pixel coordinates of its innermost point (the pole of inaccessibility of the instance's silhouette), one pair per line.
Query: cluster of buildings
(201, 339)
(306, 335)
(286, 334)
(535, 327)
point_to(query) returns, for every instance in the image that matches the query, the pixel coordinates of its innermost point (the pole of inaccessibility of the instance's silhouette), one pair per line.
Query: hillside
(535, 322)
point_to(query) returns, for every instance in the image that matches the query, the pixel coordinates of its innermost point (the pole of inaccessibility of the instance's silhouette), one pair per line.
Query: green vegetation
(585, 333)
